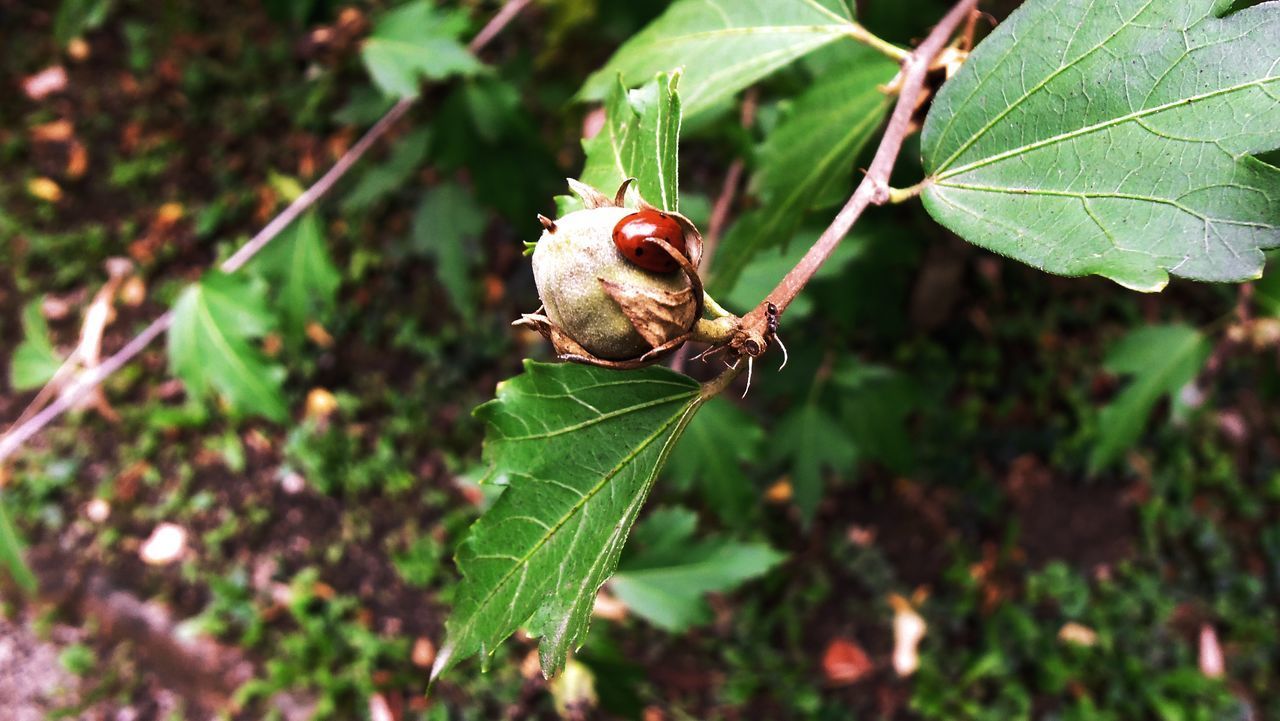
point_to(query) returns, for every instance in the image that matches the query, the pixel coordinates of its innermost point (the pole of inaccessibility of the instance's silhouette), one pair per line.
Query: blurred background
(976, 491)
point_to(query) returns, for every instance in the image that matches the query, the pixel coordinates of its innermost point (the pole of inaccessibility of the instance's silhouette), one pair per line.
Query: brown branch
(874, 188)
(82, 386)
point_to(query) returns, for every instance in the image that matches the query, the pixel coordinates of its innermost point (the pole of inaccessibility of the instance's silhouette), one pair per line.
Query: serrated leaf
(814, 146)
(1114, 138)
(579, 448)
(34, 361)
(11, 554)
(722, 46)
(710, 456)
(1162, 360)
(811, 442)
(666, 583)
(210, 344)
(76, 17)
(414, 42)
(639, 140)
(303, 274)
(445, 228)
(874, 404)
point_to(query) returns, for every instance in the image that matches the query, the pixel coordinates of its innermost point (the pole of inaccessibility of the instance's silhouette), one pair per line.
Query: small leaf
(639, 140)
(394, 173)
(1114, 138)
(722, 46)
(875, 403)
(719, 440)
(814, 146)
(811, 441)
(446, 228)
(34, 360)
(417, 41)
(1161, 359)
(76, 17)
(11, 554)
(303, 274)
(579, 448)
(210, 348)
(667, 583)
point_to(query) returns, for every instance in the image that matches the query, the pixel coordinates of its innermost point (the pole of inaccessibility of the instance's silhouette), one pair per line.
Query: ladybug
(632, 236)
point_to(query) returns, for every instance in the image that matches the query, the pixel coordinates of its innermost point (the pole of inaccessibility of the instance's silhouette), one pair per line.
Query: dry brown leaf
(908, 630)
(45, 83)
(844, 662)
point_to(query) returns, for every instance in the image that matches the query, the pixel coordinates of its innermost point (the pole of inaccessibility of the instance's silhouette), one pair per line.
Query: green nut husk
(598, 306)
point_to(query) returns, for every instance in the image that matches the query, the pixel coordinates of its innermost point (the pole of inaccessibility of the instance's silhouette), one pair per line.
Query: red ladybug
(632, 235)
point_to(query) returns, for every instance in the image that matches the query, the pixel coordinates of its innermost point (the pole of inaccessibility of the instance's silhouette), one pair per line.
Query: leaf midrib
(1062, 137)
(582, 501)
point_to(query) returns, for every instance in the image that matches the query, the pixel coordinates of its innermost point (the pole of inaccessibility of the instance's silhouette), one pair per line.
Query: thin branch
(82, 386)
(874, 188)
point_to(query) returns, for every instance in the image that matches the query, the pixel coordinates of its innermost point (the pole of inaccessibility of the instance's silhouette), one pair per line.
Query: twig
(874, 188)
(18, 435)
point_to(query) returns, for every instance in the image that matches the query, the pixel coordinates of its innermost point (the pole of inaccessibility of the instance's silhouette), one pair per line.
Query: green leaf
(1114, 138)
(445, 228)
(76, 17)
(719, 441)
(11, 554)
(722, 46)
(874, 403)
(214, 321)
(579, 448)
(303, 274)
(34, 361)
(666, 583)
(417, 41)
(1162, 360)
(814, 146)
(393, 174)
(811, 441)
(639, 140)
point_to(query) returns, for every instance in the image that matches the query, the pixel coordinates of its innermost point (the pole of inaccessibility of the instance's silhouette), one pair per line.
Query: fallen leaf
(44, 189)
(165, 545)
(424, 652)
(780, 492)
(844, 662)
(320, 404)
(45, 83)
(1211, 661)
(908, 629)
(1077, 634)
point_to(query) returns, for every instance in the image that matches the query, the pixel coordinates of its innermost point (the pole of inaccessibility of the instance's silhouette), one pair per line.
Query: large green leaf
(1113, 137)
(814, 146)
(210, 348)
(639, 140)
(446, 227)
(34, 361)
(302, 273)
(417, 41)
(579, 448)
(1162, 360)
(667, 580)
(722, 46)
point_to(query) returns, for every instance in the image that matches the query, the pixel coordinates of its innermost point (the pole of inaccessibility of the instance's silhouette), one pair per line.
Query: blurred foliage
(937, 427)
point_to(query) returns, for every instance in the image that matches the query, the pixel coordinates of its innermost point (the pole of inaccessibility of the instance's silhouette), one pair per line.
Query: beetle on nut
(620, 285)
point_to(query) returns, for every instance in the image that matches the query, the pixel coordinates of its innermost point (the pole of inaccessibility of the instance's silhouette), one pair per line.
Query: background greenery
(1002, 447)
